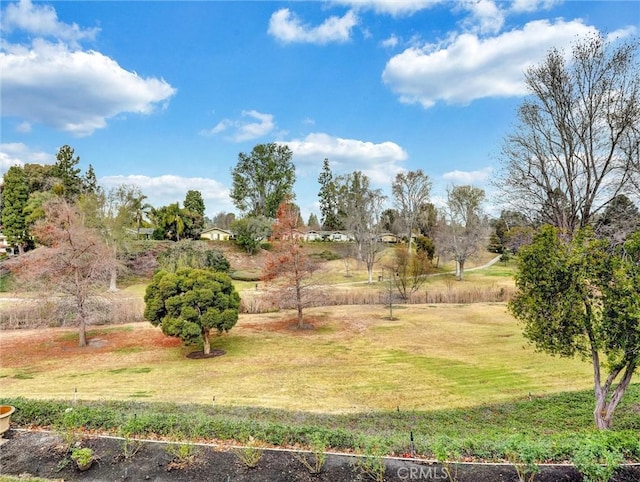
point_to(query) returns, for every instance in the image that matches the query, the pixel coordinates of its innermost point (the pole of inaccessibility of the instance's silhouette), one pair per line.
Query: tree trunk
(113, 280)
(603, 412)
(461, 270)
(299, 305)
(206, 345)
(82, 332)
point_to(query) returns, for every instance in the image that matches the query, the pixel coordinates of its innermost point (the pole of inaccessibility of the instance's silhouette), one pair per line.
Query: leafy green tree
(577, 297)
(192, 254)
(426, 245)
(620, 219)
(193, 202)
(170, 222)
(250, 232)
(39, 177)
(329, 209)
(313, 223)
(90, 181)
(191, 303)
(65, 170)
(15, 197)
(139, 210)
(263, 179)
(193, 213)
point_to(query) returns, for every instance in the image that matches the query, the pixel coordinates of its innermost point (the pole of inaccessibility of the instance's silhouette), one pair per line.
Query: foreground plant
(582, 297)
(250, 454)
(316, 459)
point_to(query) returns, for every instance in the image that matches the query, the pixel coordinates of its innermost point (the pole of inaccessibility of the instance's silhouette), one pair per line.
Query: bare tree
(73, 259)
(289, 264)
(362, 208)
(466, 228)
(410, 192)
(578, 137)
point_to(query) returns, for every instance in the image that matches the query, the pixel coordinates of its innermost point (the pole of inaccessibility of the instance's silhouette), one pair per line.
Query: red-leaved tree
(72, 259)
(288, 268)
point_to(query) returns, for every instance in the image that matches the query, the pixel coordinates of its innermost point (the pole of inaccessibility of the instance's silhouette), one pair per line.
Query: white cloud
(73, 91)
(470, 67)
(486, 17)
(168, 189)
(379, 161)
(19, 154)
(390, 42)
(532, 5)
(243, 130)
(23, 127)
(59, 84)
(468, 177)
(395, 8)
(287, 27)
(42, 21)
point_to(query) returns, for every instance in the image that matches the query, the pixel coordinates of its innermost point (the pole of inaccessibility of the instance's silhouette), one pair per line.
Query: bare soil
(43, 454)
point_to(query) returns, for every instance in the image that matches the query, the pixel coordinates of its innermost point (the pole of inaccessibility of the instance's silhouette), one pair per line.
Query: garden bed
(43, 454)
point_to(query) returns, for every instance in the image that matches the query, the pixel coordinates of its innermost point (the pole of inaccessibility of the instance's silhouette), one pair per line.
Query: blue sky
(165, 94)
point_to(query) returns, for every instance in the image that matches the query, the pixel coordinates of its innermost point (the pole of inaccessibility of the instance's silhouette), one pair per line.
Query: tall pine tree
(329, 212)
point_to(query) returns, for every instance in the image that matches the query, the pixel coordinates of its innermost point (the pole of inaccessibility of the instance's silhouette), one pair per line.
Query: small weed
(250, 454)
(183, 455)
(130, 447)
(524, 455)
(371, 465)
(448, 455)
(316, 459)
(82, 456)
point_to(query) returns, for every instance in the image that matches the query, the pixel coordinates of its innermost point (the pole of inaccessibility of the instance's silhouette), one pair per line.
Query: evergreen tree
(313, 221)
(15, 197)
(328, 195)
(68, 174)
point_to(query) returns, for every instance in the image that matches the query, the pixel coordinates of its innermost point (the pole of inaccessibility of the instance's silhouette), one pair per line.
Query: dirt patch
(17, 346)
(288, 325)
(200, 355)
(42, 454)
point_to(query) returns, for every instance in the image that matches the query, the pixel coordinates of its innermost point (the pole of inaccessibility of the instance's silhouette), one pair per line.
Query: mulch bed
(42, 454)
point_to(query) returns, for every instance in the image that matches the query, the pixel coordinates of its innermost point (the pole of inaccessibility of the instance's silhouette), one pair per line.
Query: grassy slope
(431, 357)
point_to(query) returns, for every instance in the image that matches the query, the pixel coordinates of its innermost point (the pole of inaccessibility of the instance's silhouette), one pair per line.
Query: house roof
(215, 228)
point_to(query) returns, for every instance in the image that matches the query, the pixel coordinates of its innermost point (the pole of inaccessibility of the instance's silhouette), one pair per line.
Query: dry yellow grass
(354, 360)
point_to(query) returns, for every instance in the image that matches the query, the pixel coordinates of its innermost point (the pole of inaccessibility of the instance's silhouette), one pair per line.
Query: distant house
(3, 244)
(388, 238)
(339, 236)
(216, 234)
(142, 233)
(313, 236)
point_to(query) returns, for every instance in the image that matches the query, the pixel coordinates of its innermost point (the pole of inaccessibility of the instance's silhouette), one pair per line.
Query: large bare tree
(411, 192)
(577, 140)
(72, 259)
(464, 231)
(361, 206)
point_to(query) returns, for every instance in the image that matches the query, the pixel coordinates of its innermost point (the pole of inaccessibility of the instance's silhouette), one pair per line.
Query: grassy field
(355, 360)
